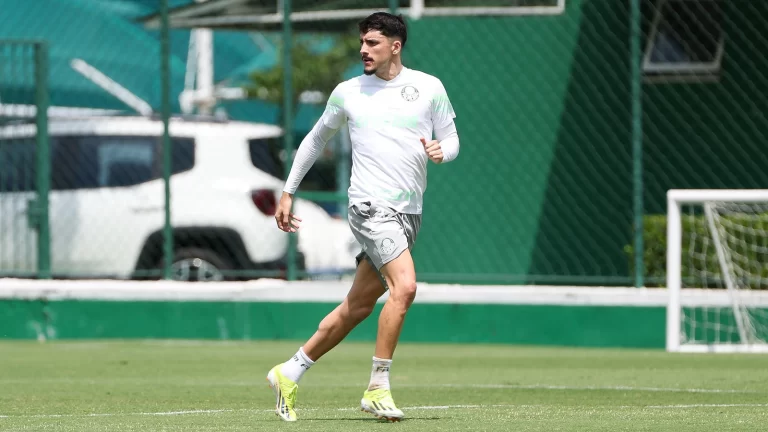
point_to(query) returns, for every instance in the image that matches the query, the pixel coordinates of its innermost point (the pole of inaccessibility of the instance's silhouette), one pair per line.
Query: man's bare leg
(400, 275)
(357, 306)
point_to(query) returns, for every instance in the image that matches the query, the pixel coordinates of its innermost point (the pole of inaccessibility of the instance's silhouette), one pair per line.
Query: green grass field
(220, 386)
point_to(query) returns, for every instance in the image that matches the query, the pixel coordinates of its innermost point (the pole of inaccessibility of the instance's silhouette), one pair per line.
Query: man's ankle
(296, 366)
(380, 374)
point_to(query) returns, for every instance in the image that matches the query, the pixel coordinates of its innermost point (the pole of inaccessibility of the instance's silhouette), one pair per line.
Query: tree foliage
(313, 70)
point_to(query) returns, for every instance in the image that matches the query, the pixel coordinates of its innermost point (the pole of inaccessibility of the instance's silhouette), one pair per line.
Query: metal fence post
(288, 123)
(166, 113)
(637, 142)
(43, 161)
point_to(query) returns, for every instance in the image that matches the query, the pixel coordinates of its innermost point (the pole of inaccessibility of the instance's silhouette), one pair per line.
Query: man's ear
(397, 46)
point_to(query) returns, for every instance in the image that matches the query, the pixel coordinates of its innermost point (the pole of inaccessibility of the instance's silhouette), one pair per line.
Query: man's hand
(286, 220)
(433, 149)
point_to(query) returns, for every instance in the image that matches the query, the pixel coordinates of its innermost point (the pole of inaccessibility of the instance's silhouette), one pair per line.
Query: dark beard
(369, 72)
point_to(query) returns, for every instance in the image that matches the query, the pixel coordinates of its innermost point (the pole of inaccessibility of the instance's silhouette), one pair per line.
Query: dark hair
(389, 25)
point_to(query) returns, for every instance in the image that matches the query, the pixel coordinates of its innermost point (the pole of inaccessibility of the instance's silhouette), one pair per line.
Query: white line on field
(436, 407)
(708, 406)
(217, 411)
(562, 387)
(168, 413)
(416, 408)
(163, 413)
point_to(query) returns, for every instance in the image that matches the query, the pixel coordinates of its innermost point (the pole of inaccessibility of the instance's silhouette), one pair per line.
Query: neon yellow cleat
(379, 403)
(285, 393)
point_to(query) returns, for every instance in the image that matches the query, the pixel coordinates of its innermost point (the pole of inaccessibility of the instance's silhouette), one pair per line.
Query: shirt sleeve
(441, 107)
(449, 141)
(334, 115)
(309, 150)
(312, 145)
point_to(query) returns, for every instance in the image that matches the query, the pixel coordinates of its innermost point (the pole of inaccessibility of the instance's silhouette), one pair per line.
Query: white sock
(295, 367)
(380, 374)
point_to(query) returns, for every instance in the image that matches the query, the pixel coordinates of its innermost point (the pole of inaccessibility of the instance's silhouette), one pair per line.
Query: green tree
(314, 70)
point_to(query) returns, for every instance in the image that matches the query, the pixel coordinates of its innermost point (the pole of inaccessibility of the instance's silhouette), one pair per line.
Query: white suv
(107, 201)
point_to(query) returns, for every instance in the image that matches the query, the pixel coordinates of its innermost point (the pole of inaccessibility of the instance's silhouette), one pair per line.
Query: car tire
(198, 265)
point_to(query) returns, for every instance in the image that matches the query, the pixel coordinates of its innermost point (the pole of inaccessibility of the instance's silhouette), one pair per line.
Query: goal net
(717, 270)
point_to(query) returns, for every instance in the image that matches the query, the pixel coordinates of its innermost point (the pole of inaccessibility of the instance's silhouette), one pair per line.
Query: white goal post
(717, 270)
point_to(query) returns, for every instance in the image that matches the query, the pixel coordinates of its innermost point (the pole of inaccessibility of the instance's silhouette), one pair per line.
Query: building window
(686, 38)
(416, 8)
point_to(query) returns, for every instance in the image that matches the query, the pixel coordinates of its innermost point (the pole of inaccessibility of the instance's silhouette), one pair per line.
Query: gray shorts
(382, 232)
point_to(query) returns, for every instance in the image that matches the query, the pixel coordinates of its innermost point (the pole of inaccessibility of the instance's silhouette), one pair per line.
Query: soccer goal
(717, 270)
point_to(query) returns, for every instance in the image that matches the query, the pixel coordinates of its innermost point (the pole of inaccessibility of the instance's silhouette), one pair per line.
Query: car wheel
(198, 265)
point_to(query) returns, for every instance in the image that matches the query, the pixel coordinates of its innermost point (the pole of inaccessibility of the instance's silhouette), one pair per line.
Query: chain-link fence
(575, 118)
(704, 105)
(24, 161)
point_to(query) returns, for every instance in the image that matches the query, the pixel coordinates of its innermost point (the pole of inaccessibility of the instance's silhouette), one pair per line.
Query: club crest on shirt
(409, 93)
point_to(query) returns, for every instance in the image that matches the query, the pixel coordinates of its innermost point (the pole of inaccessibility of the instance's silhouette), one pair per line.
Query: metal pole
(43, 162)
(674, 264)
(166, 114)
(204, 49)
(637, 142)
(288, 123)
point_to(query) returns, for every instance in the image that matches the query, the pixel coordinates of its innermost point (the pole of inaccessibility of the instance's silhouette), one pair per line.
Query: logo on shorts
(387, 246)
(409, 93)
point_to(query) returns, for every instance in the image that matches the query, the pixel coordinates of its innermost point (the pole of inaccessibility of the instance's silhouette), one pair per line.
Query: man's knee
(404, 291)
(361, 311)
(401, 278)
(349, 313)
(365, 291)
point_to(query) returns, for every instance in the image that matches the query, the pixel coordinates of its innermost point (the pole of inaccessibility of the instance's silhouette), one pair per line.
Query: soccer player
(392, 112)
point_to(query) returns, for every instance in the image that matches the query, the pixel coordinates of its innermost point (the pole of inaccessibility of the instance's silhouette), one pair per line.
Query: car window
(87, 162)
(17, 165)
(124, 163)
(182, 155)
(95, 161)
(264, 153)
(266, 156)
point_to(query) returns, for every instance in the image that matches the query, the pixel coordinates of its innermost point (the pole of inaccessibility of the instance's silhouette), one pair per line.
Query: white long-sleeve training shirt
(386, 121)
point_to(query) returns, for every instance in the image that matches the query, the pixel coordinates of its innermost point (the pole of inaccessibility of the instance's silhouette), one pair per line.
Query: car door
(97, 187)
(18, 237)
